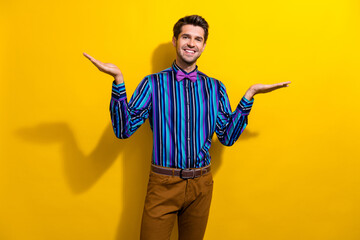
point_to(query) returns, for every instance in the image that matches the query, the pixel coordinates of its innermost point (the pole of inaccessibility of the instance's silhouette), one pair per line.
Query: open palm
(108, 68)
(265, 88)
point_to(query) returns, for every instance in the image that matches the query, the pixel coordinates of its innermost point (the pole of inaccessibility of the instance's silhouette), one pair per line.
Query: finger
(286, 84)
(272, 87)
(96, 62)
(283, 83)
(88, 56)
(276, 87)
(280, 85)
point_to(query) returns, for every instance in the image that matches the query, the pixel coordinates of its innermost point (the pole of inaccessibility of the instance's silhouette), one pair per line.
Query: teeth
(190, 51)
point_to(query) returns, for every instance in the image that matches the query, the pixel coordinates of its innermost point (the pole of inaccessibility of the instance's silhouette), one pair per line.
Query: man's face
(190, 44)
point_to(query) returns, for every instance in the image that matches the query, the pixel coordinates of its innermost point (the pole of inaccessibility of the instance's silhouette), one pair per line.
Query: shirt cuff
(245, 106)
(118, 91)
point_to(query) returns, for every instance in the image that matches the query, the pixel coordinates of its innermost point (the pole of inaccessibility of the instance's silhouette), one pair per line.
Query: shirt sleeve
(127, 117)
(230, 125)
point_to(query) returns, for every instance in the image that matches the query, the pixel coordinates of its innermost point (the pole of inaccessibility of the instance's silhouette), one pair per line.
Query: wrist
(119, 79)
(249, 94)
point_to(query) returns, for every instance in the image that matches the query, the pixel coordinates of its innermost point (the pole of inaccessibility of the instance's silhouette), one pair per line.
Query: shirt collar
(176, 68)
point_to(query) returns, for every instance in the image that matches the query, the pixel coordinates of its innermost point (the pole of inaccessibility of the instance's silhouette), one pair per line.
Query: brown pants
(171, 196)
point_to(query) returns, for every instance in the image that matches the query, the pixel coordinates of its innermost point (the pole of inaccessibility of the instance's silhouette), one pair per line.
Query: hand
(264, 88)
(108, 68)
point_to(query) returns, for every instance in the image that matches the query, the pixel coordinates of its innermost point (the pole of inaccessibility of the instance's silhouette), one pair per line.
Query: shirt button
(188, 139)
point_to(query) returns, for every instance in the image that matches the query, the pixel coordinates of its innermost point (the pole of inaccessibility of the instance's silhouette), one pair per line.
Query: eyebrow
(188, 35)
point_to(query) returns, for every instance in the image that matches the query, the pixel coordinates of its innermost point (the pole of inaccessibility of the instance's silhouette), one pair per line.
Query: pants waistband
(182, 173)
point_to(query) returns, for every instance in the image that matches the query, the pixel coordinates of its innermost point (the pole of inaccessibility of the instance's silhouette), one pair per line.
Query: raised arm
(126, 117)
(230, 125)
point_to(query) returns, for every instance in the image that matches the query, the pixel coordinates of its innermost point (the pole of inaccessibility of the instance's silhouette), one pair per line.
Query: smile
(189, 51)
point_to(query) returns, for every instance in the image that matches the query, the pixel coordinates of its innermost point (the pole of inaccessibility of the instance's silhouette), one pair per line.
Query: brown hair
(195, 20)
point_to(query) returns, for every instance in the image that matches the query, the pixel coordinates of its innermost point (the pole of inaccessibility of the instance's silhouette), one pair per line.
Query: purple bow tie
(181, 75)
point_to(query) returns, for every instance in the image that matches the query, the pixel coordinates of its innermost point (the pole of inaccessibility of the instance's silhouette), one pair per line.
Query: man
(185, 107)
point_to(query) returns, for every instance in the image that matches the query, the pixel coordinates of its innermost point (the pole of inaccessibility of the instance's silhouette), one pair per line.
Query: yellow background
(292, 175)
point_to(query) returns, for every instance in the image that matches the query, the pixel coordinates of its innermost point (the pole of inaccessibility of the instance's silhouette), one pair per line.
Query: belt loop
(173, 173)
(201, 172)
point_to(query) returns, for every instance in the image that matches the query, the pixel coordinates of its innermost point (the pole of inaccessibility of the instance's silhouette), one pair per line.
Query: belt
(182, 173)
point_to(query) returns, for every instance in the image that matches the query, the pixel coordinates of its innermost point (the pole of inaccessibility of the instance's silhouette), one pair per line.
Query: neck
(185, 66)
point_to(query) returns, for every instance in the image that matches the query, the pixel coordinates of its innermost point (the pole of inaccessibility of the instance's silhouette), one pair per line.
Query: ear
(203, 48)
(174, 41)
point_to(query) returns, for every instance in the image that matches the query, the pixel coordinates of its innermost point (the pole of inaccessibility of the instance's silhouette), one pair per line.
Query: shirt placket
(188, 143)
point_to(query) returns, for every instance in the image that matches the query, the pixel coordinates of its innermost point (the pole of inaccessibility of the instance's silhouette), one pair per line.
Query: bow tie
(181, 75)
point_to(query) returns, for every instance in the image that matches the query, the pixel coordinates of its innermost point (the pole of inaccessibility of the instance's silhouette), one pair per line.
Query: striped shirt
(183, 116)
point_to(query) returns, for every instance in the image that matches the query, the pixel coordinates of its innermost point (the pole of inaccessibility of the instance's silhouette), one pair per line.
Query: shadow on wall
(82, 172)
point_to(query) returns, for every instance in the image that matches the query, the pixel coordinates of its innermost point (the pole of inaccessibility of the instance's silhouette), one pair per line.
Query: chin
(190, 61)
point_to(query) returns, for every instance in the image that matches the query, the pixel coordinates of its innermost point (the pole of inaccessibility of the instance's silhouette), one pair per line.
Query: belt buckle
(188, 170)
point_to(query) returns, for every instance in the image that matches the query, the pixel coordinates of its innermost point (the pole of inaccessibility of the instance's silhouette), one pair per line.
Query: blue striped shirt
(183, 116)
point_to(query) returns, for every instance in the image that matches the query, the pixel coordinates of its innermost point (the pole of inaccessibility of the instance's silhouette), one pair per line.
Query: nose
(191, 43)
